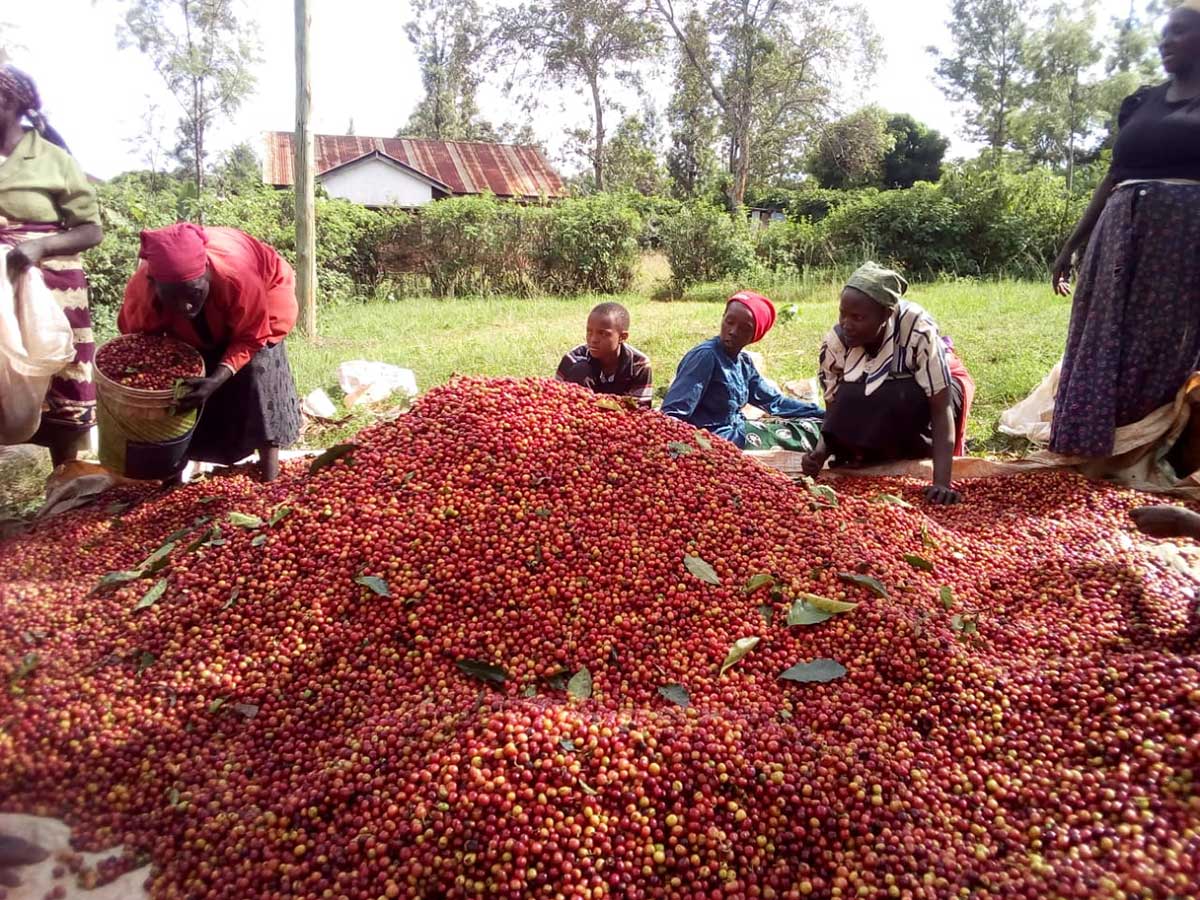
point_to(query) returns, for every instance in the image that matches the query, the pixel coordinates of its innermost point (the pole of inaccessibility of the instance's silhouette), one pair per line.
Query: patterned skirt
(70, 402)
(1135, 323)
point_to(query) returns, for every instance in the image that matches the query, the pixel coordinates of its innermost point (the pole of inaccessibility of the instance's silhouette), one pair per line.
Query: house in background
(408, 173)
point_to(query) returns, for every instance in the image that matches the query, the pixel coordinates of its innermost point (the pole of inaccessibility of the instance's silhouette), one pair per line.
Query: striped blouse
(911, 346)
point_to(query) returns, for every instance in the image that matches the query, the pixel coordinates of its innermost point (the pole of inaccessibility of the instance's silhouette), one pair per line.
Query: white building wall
(375, 182)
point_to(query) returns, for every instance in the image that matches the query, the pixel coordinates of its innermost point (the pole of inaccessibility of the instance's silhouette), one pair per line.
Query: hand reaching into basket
(196, 391)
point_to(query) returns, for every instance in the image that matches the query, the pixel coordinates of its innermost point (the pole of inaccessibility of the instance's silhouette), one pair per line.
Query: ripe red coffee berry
(148, 362)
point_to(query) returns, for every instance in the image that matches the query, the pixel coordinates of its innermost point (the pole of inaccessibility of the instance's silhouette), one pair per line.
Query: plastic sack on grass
(36, 341)
(365, 383)
(1032, 417)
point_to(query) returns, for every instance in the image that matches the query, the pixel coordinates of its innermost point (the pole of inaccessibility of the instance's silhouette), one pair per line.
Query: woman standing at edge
(1135, 324)
(49, 215)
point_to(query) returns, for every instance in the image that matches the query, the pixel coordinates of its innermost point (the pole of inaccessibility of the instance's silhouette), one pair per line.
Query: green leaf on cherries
(701, 569)
(205, 537)
(567, 744)
(25, 668)
(112, 579)
(330, 456)
(587, 788)
(259, 540)
(116, 508)
(946, 594)
(823, 492)
(233, 595)
(965, 624)
(927, 538)
(580, 685)
(157, 559)
(543, 512)
(891, 500)
(375, 584)
(819, 670)
(530, 691)
(761, 580)
(145, 660)
(241, 520)
(180, 534)
(702, 441)
(768, 613)
(803, 614)
(606, 402)
(153, 595)
(740, 648)
(278, 515)
(246, 710)
(874, 585)
(173, 796)
(678, 449)
(676, 693)
(484, 671)
(216, 705)
(918, 562)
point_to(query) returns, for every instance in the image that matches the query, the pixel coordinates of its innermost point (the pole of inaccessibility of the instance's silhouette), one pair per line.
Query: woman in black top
(1135, 324)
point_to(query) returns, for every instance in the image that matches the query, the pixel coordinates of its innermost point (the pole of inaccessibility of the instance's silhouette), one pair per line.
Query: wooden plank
(306, 256)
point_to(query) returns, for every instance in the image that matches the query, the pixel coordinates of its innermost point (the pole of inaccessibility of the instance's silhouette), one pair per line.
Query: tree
(448, 36)
(204, 54)
(631, 157)
(239, 168)
(1063, 107)
(776, 70)
(692, 114)
(150, 145)
(850, 152)
(582, 42)
(916, 155)
(986, 70)
(1132, 62)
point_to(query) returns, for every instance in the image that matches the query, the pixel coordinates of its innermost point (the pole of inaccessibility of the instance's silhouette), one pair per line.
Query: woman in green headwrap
(894, 388)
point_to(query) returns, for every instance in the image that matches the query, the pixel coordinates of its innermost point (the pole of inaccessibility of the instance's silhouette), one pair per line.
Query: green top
(40, 183)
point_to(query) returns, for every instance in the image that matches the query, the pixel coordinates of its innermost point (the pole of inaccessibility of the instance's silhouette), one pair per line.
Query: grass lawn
(1008, 333)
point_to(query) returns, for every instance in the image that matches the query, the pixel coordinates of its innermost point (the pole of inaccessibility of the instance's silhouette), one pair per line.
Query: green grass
(1008, 333)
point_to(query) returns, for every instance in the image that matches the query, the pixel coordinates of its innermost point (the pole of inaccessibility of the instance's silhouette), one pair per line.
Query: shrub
(703, 243)
(589, 245)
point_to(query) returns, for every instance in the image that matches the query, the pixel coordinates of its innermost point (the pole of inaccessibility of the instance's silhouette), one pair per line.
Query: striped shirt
(911, 346)
(632, 378)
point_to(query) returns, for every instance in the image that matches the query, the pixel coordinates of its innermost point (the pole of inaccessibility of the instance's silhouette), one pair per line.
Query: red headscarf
(760, 307)
(175, 253)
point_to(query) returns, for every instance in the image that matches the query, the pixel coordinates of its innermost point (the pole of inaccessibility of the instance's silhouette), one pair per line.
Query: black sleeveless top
(1157, 138)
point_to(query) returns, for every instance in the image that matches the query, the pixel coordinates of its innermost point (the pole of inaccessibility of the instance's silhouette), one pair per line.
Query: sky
(364, 72)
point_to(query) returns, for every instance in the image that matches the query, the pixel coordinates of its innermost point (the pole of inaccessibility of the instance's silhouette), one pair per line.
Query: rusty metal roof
(466, 167)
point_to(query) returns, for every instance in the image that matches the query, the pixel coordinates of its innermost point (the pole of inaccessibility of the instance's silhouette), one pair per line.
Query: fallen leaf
(803, 614)
(678, 449)
(740, 648)
(587, 789)
(891, 500)
(676, 693)
(824, 493)
(484, 671)
(768, 613)
(112, 579)
(28, 663)
(946, 594)
(701, 569)
(825, 604)
(241, 520)
(216, 705)
(819, 670)
(375, 584)
(702, 441)
(259, 540)
(874, 585)
(249, 710)
(145, 661)
(918, 562)
(605, 402)
(233, 595)
(330, 456)
(153, 595)
(580, 685)
(758, 581)
(280, 513)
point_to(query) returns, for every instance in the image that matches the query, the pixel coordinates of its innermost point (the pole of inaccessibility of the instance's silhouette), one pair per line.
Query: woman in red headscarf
(717, 379)
(233, 298)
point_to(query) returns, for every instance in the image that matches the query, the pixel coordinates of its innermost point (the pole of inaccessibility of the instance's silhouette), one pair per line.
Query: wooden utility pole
(302, 179)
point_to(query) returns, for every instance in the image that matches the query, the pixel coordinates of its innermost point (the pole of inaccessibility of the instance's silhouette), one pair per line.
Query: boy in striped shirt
(606, 363)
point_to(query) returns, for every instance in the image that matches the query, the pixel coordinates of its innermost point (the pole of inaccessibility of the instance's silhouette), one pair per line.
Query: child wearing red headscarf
(717, 379)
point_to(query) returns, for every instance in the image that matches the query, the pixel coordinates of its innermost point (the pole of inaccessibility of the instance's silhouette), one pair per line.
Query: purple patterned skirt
(1135, 323)
(71, 398)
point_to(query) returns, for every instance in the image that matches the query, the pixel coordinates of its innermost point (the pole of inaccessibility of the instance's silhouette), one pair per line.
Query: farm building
(407, 172)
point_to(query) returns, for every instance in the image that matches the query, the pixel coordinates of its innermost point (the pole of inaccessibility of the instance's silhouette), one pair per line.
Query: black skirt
(893, 423)
(257, 407)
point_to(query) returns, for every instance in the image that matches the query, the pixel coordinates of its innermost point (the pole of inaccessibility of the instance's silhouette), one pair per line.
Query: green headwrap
(882, 285)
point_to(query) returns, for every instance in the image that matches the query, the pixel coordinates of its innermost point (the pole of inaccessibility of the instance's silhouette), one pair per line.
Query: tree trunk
(598, 146)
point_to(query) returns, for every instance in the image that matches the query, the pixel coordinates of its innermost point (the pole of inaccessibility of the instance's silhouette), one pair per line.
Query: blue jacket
(710, 390)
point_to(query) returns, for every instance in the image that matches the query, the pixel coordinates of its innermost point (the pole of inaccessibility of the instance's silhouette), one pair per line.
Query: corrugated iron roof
(466, 167)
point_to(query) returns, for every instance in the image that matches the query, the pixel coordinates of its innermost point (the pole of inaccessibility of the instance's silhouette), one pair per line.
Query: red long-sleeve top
(251, 300)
